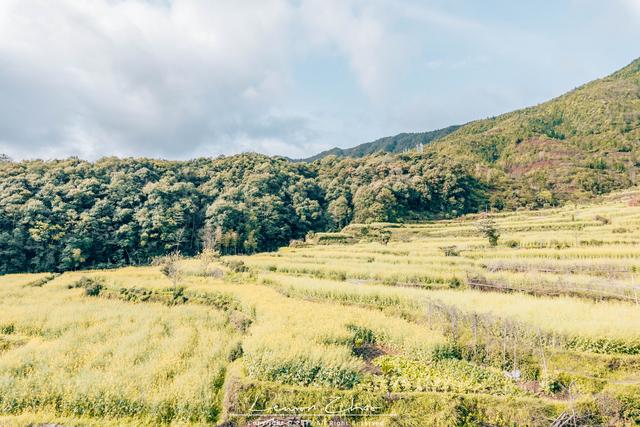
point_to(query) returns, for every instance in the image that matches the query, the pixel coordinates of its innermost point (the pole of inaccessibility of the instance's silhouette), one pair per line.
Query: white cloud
(360, 32)
(634, 6)
(156, 78)
(98, 76)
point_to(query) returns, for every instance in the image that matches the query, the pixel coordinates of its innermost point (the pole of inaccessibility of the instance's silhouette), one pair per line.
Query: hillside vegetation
(420, 324)
(582, 143)
(69, 214)
(391, 144)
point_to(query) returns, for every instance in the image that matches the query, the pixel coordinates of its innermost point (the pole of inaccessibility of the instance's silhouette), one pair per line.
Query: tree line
(69, 214)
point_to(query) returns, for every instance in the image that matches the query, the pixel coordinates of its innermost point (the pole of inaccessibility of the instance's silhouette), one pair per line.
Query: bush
(237, 266)
(446, 351)
(361, 337)
(7, 329)
(170, 267)
(446, 375)
(135, 294)
(92, 287)
(177, 296)
(94, 290)
(450, 250)
(239, 320)
(299, 243)
(340, 276)
(455, 283)
(333, 238)
(385, 237)
(42, 281)
(236, 352)
(630, 402)
(563, 383)
(488, 228)
(512, 244)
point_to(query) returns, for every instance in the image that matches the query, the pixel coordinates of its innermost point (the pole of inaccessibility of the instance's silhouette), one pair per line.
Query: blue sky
(185, 78)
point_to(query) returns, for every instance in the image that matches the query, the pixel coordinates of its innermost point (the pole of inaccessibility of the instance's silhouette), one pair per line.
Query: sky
(180, 79)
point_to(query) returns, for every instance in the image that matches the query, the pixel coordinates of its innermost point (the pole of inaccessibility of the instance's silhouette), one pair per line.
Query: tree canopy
(69, 214)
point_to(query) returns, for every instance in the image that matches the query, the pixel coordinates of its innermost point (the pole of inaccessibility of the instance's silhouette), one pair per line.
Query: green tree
(170, 267)
(489, 229)
(340, 211)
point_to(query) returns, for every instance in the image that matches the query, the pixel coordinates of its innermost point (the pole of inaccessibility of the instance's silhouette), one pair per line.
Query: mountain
(582, 143)
(390, 144)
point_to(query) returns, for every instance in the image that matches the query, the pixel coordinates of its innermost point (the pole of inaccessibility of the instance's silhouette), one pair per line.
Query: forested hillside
(389, 144)
(583, 143)
(70, 214)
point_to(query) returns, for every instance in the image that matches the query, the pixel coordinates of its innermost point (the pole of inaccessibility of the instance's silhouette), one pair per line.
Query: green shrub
(455, 283)
(135, 294)
(630, 404)
(237, 266)
(564, 382)
(450, 250)
(446, 351)
(7, 329)
(92, 286)
(176, 296)
(236, 352)
(362, 337)
(488, 228)
(333, 238)
(512, 244)
(42, 281)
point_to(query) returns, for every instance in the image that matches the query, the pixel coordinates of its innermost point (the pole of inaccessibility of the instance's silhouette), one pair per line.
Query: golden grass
(21, 279)
(109, 358)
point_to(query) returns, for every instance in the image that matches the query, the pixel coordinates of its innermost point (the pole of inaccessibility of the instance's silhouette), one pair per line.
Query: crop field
(381, 324)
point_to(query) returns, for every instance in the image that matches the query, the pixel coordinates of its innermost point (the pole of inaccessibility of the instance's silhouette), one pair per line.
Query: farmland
(395, 324)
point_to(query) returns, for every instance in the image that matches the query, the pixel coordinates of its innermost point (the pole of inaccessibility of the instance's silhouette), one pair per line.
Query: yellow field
(403, 333)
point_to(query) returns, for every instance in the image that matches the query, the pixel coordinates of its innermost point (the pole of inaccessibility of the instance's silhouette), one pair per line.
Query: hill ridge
(391, 144)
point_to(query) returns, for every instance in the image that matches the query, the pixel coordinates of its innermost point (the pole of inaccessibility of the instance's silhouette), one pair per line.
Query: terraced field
(402, 324)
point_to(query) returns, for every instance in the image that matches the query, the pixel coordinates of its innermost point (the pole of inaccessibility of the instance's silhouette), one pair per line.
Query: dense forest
(70, 214)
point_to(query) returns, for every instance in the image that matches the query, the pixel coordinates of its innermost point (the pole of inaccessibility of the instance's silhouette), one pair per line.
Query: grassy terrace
(403, 333)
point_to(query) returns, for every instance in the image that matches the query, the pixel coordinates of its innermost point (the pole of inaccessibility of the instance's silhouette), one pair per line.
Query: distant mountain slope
(389, 144)
(582, 143)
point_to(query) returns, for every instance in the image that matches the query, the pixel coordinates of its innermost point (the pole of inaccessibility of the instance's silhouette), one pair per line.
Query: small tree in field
(209, 252)
(489, 229)
(385, 237)
(206, 258)
(169, 266)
